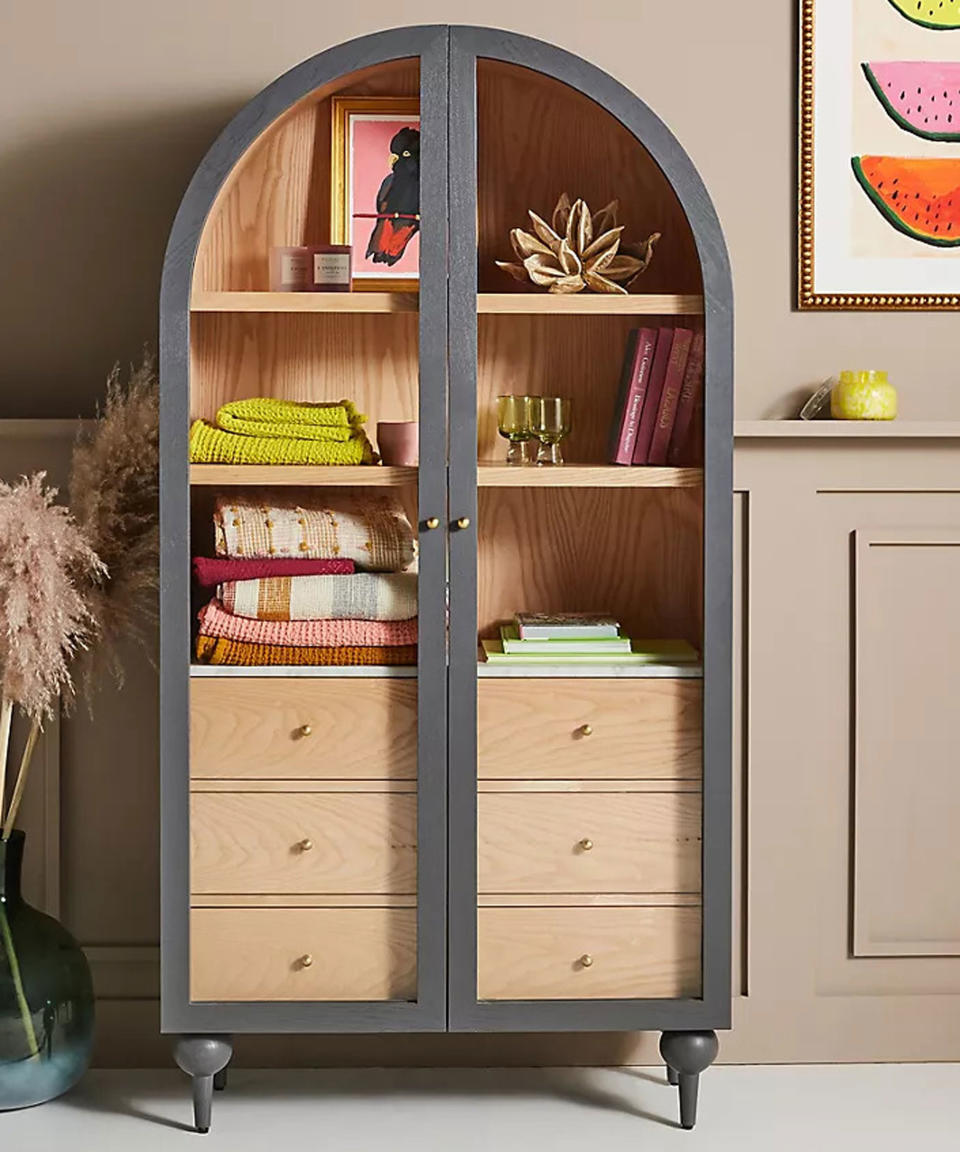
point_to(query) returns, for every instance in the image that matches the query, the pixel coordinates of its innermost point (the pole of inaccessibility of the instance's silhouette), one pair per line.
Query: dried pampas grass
(114, 490)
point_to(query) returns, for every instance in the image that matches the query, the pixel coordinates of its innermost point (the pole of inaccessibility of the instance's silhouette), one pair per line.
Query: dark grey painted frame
(466, 1013)
(428, 1012)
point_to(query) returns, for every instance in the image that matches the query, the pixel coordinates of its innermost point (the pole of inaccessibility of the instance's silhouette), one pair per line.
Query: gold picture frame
(808, 297)
(342, 230)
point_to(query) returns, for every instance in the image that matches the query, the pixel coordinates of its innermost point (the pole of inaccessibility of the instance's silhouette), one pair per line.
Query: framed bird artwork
(375, 193)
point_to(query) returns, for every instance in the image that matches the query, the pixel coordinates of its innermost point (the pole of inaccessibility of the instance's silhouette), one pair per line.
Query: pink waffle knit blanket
(209, 573)
(217, 622)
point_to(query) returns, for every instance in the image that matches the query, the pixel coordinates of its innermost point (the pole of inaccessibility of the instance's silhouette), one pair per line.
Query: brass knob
(432, 522)
(463, 522)
(586, 844)
(586, 960)
(305, 730)
(305, 961)
(585, 730)
(305, 845)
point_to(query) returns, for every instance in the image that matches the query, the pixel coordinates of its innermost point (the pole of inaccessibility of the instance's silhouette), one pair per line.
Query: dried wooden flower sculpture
(580, 250)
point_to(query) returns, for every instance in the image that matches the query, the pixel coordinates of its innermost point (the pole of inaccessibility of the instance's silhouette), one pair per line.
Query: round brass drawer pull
(463, 523)
(432, 522)
(586, 960)
(585, 730)
(305, 845)
(306, 730)
(305, 961)
(586, 844)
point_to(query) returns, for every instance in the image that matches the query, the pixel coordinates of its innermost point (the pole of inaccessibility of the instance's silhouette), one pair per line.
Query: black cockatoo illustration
(398, 201)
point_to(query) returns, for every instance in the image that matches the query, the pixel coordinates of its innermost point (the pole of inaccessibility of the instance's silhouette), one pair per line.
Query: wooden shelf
(847, 429)
(586, 476)
(304, 302)
(582, 304)
(307, 475)
(306, 671)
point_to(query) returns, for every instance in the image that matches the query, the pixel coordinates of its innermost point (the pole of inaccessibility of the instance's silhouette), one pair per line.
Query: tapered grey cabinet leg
(220, 1079)
(672, 1077)
(202, 1058)
(687, 1054)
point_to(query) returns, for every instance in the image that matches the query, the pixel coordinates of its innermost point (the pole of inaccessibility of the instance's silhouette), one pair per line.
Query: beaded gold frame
(807, 298)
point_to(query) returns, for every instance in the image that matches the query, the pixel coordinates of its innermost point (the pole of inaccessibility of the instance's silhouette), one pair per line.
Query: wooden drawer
(639, 729)
(258, 953)
(245, 842)
(589, 842)
(539, 953)
(252, 728)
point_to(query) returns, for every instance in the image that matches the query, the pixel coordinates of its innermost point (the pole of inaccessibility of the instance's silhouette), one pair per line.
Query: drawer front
(587, 953)
(638, 729)
(303, 954)
(356, 728)
(589, 842)
(301, 842)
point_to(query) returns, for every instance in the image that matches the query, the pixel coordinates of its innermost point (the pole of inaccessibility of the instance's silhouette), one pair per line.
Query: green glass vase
(46, 996)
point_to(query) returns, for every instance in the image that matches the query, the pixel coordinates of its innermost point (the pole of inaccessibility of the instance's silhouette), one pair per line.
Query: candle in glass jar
(310, 268)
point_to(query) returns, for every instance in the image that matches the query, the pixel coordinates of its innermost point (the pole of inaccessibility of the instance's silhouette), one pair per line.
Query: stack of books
(577, 638)
(658, 418)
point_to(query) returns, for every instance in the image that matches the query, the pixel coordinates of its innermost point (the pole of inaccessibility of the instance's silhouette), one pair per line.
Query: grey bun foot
(202, 1058)
(686, 1055)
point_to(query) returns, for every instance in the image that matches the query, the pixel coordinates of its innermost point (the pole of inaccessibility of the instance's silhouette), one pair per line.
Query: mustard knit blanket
(267, 431)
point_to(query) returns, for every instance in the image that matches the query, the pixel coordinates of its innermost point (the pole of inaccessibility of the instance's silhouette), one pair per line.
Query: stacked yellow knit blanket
(268, 431)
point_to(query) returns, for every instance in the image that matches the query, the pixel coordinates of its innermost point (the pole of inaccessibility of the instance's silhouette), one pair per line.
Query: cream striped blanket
(327, 524)
(365, 596)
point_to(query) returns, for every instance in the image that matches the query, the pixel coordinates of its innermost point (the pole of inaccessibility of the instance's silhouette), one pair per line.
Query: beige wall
(106, 106)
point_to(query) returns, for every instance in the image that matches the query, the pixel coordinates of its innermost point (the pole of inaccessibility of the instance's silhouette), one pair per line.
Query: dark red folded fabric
(209, 573)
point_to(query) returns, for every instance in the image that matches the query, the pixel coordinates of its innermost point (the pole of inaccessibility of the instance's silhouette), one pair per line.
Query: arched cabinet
(450, 844)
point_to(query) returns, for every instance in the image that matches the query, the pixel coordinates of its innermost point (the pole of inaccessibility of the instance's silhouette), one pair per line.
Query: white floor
(776, 1109)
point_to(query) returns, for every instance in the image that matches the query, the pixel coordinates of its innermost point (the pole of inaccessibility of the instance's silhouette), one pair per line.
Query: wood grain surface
(640, 842)
(643, 729)
(241, 954)
(536, 953)
(633, 553)
(252, 729)
(245, 842)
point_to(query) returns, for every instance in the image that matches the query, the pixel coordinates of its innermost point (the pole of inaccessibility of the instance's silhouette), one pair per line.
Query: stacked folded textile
(267, 431)
(322, 581)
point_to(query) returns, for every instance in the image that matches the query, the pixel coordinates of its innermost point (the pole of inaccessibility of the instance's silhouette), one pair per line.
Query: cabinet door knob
(306, 844)
(463, 522)
(305, 730)
(305, 961)
(432, 522)
(586, 844)
(585, 730)
(586, 960)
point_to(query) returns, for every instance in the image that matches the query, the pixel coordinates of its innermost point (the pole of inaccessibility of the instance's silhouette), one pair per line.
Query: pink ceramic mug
(399, 442)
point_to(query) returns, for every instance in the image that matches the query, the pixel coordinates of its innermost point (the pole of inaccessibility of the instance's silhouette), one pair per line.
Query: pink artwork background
(370, 138)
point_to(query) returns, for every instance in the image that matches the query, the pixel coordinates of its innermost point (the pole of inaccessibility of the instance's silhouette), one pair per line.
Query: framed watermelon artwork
(879, 186)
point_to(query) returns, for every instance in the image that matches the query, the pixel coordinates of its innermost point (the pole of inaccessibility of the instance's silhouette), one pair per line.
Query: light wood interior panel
(241, 954)
(532, 729)
(538, 137)
(279, 192)
(537, 953)
(292, 842)
(252, 728)
(580, 357)
(599, 842)
(633, 552)
(907, 793)
(368, 358)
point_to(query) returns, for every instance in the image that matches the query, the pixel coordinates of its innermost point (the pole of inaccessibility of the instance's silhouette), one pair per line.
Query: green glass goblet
(514, 424)
(551, 423)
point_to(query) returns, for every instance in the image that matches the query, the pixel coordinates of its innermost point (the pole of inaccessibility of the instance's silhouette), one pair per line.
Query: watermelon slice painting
(941, 15)
(917, 195)
(922, 96)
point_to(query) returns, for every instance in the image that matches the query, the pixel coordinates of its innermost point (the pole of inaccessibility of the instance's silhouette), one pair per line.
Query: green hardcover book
(669, 652)
(512, 642)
